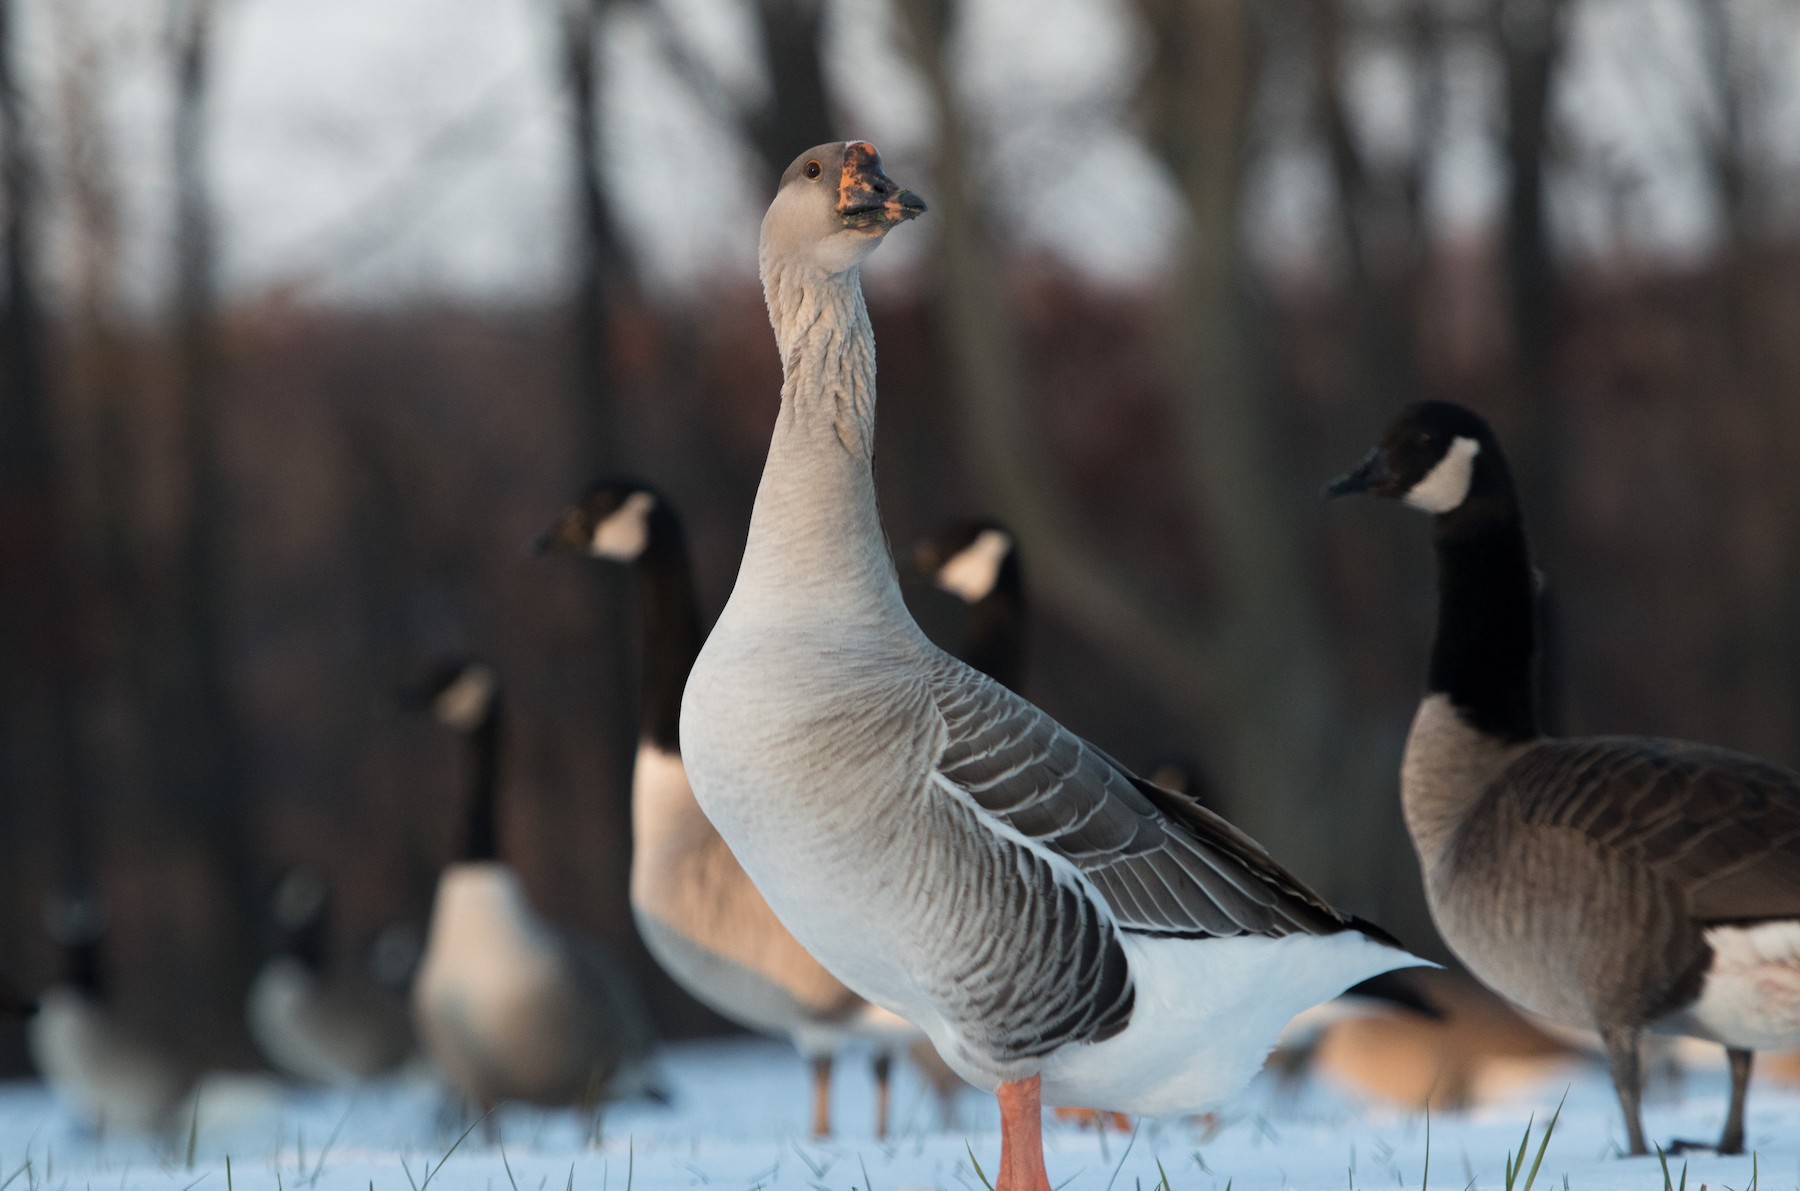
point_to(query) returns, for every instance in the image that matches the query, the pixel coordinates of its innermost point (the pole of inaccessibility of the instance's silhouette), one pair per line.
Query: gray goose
(315, 1023)
(1619, 884)
(507, 1006)
(1059, 928)
(696, 910)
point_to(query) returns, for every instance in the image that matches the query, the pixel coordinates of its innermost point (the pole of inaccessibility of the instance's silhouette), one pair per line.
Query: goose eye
(813, 169)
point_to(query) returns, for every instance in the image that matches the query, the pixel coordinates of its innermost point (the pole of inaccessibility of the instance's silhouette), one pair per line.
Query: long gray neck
(816, 532)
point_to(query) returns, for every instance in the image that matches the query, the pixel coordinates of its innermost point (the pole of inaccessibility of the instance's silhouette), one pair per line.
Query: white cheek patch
(1447, 485)
(464, 703)
(626, 531)
(972, 573)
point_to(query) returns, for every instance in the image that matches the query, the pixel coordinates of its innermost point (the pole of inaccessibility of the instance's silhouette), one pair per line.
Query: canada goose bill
(943, 847)
(696, 910)
(968, 559)
(611, 520)
(1620, 884)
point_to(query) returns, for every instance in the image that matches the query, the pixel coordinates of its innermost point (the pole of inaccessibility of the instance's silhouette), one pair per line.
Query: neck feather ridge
(816, 530)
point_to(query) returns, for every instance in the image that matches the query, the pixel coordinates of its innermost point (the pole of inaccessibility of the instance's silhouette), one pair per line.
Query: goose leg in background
(1022, 1136)
(884, 1086)
(1622, 1051)
(1732, 1140)
(821, 1088)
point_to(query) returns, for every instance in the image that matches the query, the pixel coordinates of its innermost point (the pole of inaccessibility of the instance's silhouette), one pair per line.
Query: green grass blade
(976, 1163)
(1544, 1144)
(1425, 1179)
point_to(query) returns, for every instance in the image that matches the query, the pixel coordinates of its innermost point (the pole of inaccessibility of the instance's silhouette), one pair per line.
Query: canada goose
(98, 1064)
(1619, 884)
(507, 1006)
(696, 910)
(312, 1023)
(946, 849)
(1475, 1049)
(978, 563)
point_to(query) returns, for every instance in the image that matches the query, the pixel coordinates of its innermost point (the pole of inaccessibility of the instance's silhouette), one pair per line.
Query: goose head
(462, 694)
(968, 559)
(75, 920)
(1434, 456)
(301, 899)
(833, 206)
(613, 520)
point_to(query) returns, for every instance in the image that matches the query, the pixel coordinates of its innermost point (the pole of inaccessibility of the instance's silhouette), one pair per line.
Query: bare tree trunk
(211, 781)
(799, 114)
(40, 734)
(1286, 709)
(1002, 429)
(1529, 37)
(602, 274)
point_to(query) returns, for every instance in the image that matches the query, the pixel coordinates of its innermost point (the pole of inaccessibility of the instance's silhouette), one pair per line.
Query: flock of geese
(843, 835)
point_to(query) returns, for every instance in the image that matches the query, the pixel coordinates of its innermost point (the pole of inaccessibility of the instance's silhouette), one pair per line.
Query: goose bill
(867, 198)
(1368, 476)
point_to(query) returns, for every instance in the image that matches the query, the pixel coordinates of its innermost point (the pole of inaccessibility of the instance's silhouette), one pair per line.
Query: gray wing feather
(1162, 864)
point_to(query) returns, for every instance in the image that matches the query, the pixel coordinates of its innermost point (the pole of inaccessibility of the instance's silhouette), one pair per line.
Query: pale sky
(383, 151)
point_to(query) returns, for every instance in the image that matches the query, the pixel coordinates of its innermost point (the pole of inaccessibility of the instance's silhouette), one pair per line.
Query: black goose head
(75, 920)
(1434, 456)
(617, 520)
(300, 910)
(969, 559)
(834, 204)
(461, 693)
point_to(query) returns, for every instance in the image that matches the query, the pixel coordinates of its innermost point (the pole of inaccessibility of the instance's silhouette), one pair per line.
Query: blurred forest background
(316, 310)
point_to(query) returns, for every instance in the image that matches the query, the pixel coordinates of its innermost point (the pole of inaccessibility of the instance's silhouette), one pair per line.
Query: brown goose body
(1614, 881)
(1619, 884)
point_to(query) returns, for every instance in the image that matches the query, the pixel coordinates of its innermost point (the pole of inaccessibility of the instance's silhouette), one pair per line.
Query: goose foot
(884, 1073)
(1097, 1118)
(1021, 1136)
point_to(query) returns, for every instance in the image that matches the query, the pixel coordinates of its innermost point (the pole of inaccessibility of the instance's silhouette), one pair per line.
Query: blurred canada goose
(313, 1022)
(98, 1064)
(507, 1006)
(696, 910)
(1474, 1049)
(978, 563)
(1619, 884)
(946, 849)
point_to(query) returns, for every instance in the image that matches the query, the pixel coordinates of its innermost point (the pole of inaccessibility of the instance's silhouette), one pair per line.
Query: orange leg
(884, 1082)
(821, 1081)
(1021, 1137)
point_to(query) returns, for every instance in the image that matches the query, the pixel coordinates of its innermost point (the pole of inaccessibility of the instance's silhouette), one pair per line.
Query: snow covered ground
(738, 1118)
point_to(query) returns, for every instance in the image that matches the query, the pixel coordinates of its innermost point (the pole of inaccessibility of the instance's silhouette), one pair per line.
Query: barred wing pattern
(1722, 826)
(1101, 853)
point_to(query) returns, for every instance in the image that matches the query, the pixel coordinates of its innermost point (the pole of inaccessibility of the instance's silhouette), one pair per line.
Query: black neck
(483, 842)
(996, 641)
(84, 969)
(305, 943)
(671, 630)
(1487, 623)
